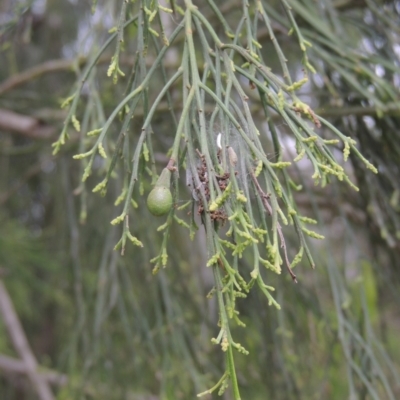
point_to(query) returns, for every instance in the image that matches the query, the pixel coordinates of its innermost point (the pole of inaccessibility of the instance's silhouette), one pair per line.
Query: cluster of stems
(244, 201)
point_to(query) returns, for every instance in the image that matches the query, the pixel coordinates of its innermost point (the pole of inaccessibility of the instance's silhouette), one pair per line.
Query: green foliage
(35, 280)
(221, 194)
(209, 92)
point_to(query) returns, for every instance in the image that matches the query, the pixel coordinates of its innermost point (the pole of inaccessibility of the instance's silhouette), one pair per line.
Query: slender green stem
(160, 96)
(179, 130)
(57, 145)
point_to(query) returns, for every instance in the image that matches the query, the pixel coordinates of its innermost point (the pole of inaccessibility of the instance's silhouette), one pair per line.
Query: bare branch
(21, 345)
(35, 72)
(25, 125)
(14, 366)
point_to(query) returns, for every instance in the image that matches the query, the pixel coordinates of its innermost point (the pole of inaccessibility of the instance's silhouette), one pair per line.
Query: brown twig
(171, 165)
(21, 345)
(37, 71)
(25, 125)
(53, 66)
(13, 366)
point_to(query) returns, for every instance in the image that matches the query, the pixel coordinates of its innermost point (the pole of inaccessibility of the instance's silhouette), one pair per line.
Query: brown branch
(59, 66)
(32, 127)
(21, 345)
(25, 125)
(35, 72)
(14, 366)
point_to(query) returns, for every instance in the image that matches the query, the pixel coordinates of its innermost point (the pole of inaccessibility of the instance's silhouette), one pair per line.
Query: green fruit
(159, 201)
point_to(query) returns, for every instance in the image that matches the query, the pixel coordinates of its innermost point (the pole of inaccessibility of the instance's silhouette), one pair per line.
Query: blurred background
(79, 321)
